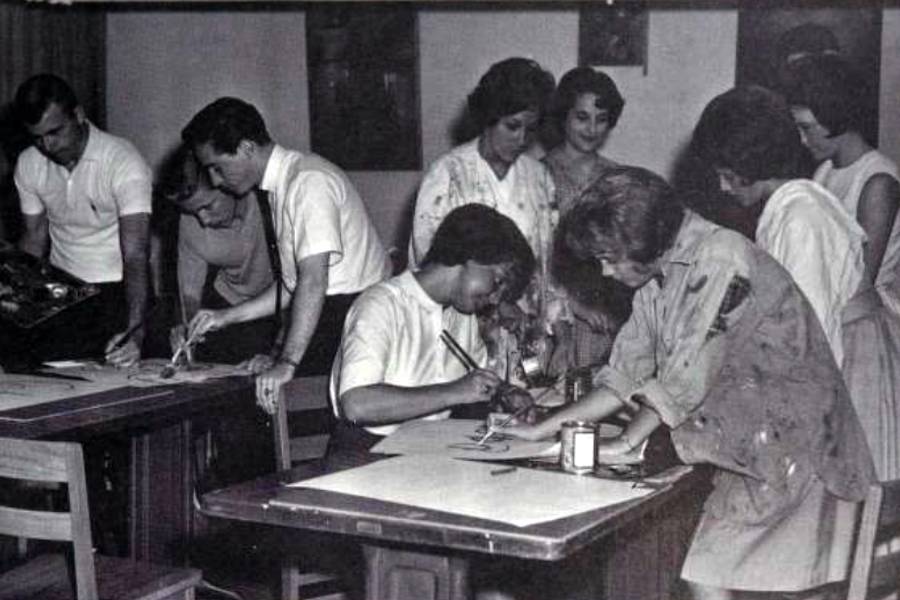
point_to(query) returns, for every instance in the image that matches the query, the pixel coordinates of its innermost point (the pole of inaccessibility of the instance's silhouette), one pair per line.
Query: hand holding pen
(123, 350)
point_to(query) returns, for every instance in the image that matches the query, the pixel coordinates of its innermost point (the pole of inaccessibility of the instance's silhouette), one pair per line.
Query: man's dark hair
(481, 234)
(585, 80)
(750, 130)
(831, 90)
(37, 93)
(627, 212)
(224, 123)
(180, 175)
(509, 87)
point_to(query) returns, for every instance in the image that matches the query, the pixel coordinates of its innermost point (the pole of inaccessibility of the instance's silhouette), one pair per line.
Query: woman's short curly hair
(509, 87)
(585, 80)
(627, 212)
(830, 89)
(750, 130)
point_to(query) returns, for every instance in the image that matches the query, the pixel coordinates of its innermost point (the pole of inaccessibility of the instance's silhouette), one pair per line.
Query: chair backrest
(876, 560)
(56, 462)
(302, 421)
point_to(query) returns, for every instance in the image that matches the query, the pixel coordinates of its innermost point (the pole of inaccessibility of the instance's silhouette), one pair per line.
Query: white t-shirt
(805, 228)
(316, 210)
(83, 206)
(392, 336)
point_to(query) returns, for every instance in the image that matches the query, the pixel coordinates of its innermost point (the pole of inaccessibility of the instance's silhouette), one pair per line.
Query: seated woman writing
(392, 366)
(723, 348)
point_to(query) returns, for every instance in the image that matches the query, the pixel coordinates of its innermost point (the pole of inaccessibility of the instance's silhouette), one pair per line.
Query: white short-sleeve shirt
(83, 206)
(317, 210)
(392, 336)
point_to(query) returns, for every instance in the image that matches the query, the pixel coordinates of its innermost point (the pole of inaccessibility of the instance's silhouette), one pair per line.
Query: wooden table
(417, 554)
(157, 424)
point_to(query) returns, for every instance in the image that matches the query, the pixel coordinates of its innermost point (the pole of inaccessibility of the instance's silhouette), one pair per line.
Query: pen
(503, 471)
(130, 332)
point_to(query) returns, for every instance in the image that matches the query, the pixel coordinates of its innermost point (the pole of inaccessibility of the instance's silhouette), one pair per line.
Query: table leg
(395, 574)
(160, 504)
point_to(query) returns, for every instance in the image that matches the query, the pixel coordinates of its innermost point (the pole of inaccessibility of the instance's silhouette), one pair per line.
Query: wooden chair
(48, 577)
(877, 574)
(301, 433)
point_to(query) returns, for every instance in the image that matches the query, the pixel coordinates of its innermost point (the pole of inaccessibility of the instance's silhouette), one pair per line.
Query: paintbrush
(169, 370)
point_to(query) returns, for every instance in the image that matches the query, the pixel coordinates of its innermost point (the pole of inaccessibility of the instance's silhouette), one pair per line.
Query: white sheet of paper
(17, 390)
(520, 497)
(458, 438)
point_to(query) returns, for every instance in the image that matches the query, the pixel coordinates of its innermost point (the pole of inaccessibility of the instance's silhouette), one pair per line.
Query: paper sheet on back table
(19, 390)
(519, 497)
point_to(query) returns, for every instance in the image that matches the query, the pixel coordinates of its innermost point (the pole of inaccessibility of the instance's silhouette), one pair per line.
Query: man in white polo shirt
(327, 247)
(392, 366)
(86, 196)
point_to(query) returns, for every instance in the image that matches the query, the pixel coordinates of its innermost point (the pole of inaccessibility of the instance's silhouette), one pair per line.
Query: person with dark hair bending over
(748, 136)
(493, 170)
(723, 349)
(392, 366)
(585, 109)
(86, 196)
(824, 96)
(222, 260)
(327, 248)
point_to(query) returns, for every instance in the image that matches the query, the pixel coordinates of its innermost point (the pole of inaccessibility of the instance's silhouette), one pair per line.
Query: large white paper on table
(458, 438)
(519, 497)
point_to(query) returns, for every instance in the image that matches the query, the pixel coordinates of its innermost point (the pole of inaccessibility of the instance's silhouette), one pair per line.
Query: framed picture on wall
(363, 85)
(612, 34)
(771, 34)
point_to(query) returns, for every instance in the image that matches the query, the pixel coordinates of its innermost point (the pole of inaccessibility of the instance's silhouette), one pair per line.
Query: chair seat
(46, 577)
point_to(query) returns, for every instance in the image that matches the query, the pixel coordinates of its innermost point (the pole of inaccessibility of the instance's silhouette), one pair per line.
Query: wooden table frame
(158, 423)
(419, 554)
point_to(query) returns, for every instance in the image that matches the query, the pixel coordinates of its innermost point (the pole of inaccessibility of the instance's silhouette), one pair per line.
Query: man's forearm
(136, 279)
(306, 308)
(383, 403)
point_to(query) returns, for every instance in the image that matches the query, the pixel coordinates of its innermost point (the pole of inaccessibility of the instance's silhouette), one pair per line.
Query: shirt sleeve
(131, 182)
(366, 343)
(29, 202)
(317, 225)
(433, 202)
(691, 337)
(633, 356)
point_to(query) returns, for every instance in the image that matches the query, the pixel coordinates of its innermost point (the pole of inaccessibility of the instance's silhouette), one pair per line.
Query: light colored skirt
(807, 546)
(871, 369)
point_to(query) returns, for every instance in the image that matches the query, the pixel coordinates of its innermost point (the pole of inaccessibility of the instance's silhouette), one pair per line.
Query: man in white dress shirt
(327, 247)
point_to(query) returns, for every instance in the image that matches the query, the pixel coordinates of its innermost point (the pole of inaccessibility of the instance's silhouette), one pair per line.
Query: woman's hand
(617, 451)
(528, 432)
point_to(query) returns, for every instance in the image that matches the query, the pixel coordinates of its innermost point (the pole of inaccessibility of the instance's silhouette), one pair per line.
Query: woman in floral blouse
(723, 348)
(493, 169)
